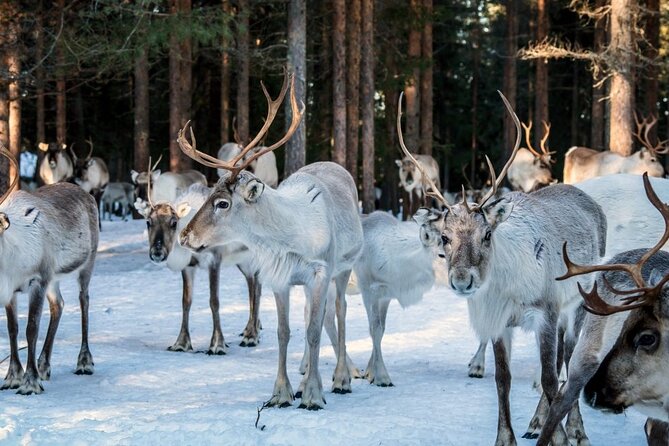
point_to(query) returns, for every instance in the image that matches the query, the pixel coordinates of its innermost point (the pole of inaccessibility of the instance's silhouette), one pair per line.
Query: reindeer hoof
(84, 371)
(341, 391)
(530, 435)
(248, 343)
(216, 352)
(309, 407)
(180, 348)
(386, 385)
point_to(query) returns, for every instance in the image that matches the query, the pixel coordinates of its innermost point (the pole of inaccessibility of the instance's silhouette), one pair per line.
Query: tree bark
(339, 82)
(622, 83)
(297, 64)
(426, 94)
(412, 128)
(186, 86)
(14, 68)
(225, 81)
(510, 81)
(141, 154)
(39, 77)
(353, 86)
(243, 71)
(541, 73)
(367, 105)
(175, 96)
(651, 87)
(597, 112)
(61, 100)
(476, 52)
(575, 110)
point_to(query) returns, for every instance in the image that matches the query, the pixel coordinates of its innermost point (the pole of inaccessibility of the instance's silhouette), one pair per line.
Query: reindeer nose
(462, 282)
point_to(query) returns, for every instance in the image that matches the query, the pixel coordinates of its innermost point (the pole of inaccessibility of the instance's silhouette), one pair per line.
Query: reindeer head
(237, 192)
(141, 181)
(466, 230)
(646, 159)
(541, 165)
(53, 152)
(81, 165)
(410, 176)
(635, 369)
(4, 218)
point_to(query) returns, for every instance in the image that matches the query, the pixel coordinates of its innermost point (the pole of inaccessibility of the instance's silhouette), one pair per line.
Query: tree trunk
(297, 64)
(426, 94)
(243, 71)
(541, 76)
(412, 128)
(510, 81)
(225, 81)
(575, 110)
(323, 78)
(4, 131)
(353, 86)
(14, 68)
(597, 112)
(476, 44)
(61, 100)
(175, 96)
(651, 81)
(39, 77)
(622, 84)
(186, 86)
(367, 105)
(339, 82)
(141, 155)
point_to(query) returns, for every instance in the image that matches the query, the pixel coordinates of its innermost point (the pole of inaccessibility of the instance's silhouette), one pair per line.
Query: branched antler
(7, 154)
(645, 125)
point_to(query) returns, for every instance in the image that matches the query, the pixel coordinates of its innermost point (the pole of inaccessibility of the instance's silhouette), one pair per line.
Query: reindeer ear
(43, 146)
(4, 222)
(399, 163)
(655, 277)
(424, 216)
(142, 207)
(155, 174)
(63, 146)
(252, 190)
(498, 211)
(90, 162)
(133, 176)
(183, 209)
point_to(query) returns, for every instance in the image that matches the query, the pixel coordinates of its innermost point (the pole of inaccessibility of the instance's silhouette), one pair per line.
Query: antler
(434, 192)
(496, 182)
(273, 108)
(89, 141)
(646, 125)
(235, 133)
(528, 141)
(547, 131)
(7, 154)
(643, 295)
(148, 180)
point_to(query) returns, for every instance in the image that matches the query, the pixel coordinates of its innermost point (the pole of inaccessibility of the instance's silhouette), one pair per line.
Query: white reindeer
(503, 256)
(414, 182)
(44, 236)
(122, 194)
(581, 163)
(632, 223)
(307, 231)
(530, 169)
(56, 166)
(164, 222)
(264, 167)
(90, 172)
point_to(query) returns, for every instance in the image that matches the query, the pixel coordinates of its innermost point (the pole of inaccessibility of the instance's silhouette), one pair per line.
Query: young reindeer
(305, 232)
(581, 163)
(621, 358)
(44, 236)
(503, 256)
(530, 169)
(56, 166)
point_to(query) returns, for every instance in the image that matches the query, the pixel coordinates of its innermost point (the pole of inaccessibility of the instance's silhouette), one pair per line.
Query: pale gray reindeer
(530, 169)
(264, 167)
(164, 222)
(45, 235)
(621, 358)
(115, 193)
(413, 180)
(305, 232)
(582, 163)
(91, 174)
(56, 166)
(503, 256)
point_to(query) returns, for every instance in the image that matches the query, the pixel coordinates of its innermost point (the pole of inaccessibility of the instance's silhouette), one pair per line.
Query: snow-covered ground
(143, 394)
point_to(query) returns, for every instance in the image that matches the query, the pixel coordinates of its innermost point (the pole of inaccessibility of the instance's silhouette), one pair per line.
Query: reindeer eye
(488, 234)
(222, 204)
(645, 340)
(173, 223)
(445, 240)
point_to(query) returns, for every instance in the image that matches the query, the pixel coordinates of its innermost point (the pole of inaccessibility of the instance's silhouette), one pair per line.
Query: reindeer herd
(570, 263)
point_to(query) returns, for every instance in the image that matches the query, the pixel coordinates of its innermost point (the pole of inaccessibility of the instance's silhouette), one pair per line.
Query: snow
(141, 393)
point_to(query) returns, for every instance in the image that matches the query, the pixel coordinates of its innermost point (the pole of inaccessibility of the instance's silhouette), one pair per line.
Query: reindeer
(91, 174)
(503, 257)
(581, 163)
(620, 356)
(530, 169)
(264, 167)
(56, 166)
(307, 231)
(413, 180)
(121, 193)
(164, 221)
(44, 235)
(166, 186)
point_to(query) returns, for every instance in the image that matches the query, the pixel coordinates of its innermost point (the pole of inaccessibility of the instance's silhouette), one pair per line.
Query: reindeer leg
(304, 364)
(477, 363)
(15, 371)
(30, 383)
(657, 432)
(311, 385)
(575, 429)
(85, 360)
(183, 343)
(342, 374)
(376, 372)
(283, 392)
(251, 334)
(501, 349)
(331, 330)
(55, 310)
(217, 345)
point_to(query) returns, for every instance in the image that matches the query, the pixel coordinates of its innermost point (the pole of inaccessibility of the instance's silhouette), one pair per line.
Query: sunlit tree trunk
(14, 68)
(367, 105)
(297, 64)
(426, 94)
(541, 73)
(243, 71)
(186, 78)
(141, 153)
(597, 112)
(510, 82)
(411, 93)
(61, 100)
(353, 86)
(339, 82)
(651, 87)
(622, 82)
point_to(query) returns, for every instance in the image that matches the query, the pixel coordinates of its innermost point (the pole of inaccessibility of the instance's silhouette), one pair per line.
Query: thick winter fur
(411, 180)
(52, 232)
(581, 163)
(528, 173)
(264, 168)
(305, 232)
(91, 174)
(165, 187)
(505, 259)
(164, 223)
(56, 166)
(121, 193)
(396, 263)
